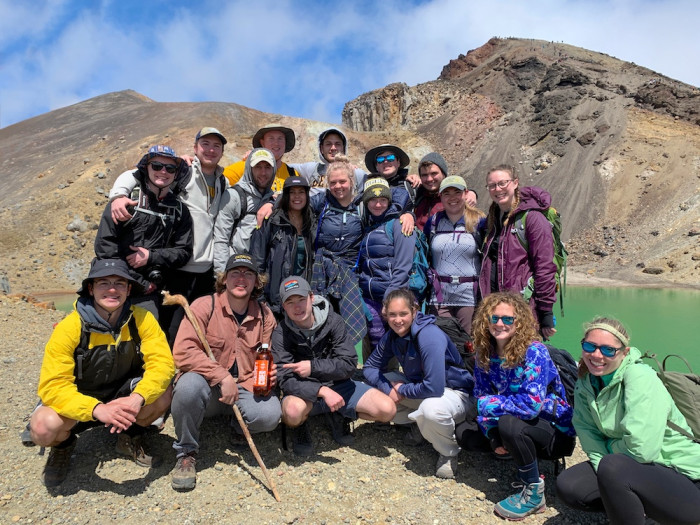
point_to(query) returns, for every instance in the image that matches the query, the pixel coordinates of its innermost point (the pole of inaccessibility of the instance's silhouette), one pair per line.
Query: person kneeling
(107, 362)
(316, 362)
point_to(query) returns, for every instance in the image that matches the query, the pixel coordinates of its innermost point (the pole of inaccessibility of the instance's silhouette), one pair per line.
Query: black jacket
(166, 232)
(274, 247)
(332, 354)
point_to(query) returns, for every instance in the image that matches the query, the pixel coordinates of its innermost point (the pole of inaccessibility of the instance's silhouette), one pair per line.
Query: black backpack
(461, 339)
(567, 368)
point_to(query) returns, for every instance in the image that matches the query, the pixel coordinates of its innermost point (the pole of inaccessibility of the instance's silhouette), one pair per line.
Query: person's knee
(377, 406)
(191, 390)
(45, 426)
(611, 469)
(266, 418)
(294, 411)
(433, 409)
(509, 426)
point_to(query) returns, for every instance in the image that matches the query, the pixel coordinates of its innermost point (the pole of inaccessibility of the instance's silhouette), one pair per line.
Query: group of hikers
(319, 261)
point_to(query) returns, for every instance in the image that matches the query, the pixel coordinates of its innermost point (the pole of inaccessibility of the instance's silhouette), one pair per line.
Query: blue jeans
(194, 399)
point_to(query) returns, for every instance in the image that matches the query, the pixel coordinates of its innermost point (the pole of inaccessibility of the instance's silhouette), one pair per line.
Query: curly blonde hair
(525, 329)
(494, 209)
(342, 163)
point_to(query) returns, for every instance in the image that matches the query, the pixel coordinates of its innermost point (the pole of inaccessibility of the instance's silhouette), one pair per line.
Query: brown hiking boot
(184, 475)
(132, 447)
(58, 464)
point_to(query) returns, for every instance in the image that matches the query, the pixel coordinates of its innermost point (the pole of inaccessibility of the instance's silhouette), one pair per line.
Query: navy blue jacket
(429, 359)
(384, 264)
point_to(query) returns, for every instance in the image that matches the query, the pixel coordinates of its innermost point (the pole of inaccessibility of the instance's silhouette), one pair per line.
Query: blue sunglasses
(507, 319)
(607, 351)
(386, 158)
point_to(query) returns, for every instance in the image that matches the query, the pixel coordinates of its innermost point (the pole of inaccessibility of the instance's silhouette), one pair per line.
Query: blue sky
(301, 57)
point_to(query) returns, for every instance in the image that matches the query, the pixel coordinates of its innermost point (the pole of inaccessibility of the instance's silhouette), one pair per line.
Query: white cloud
(302, 58)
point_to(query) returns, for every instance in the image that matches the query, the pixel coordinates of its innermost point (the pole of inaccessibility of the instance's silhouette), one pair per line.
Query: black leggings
(528, 440)
(628, 490)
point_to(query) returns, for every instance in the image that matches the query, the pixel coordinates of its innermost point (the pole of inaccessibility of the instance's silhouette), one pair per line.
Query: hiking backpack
(567, 368)
(418, 277)
(460, 337)
(560, 253)
(685, 392)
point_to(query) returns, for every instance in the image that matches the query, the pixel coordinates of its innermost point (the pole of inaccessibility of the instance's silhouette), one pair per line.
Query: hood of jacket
(421, 321)
(247, 183)
(182, 176)
(534, 198)
(85, 306)
(323, 135)
(320, 307)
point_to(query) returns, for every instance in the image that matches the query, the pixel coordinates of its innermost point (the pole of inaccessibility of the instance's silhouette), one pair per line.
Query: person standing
(506, 264)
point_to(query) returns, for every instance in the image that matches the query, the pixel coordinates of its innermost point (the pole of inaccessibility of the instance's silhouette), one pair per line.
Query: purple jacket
(515, 265)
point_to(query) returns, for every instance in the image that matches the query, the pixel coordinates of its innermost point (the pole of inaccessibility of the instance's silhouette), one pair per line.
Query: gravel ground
(377, 480)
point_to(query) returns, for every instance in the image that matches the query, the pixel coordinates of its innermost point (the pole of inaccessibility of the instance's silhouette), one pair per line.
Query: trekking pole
(181, 301)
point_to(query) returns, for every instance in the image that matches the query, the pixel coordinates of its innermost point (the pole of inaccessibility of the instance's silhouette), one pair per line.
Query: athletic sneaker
(446, 467)
(413, 437)
(184, 475)
(58, 463)
(340, 428)
(302, 444)
(518, 506)
(132, 447)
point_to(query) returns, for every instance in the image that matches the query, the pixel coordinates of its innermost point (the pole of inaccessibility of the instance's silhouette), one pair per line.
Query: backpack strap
(519, 229)
(243, 198)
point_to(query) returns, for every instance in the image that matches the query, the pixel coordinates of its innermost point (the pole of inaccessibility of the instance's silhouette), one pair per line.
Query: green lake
(661, 321)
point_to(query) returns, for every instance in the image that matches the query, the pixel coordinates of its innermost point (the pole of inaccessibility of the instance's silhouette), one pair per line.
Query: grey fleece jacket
(226, 240)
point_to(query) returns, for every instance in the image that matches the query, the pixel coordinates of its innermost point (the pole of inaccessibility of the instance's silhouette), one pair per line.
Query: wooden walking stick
(181, 301)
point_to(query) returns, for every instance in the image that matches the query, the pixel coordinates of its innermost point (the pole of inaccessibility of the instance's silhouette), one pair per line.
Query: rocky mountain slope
(617, 145)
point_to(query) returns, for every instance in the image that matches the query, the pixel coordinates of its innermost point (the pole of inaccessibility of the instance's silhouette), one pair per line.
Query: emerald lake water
(658, 320)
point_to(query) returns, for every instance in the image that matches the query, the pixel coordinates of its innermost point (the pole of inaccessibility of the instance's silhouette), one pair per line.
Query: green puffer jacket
(629, 417)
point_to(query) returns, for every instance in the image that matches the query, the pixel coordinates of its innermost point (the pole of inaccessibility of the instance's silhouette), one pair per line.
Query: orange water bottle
(261, 374)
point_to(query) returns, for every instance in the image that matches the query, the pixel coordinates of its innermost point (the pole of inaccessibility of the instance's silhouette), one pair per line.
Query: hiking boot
(340, 428)
(132, 447)
(413, 437)
(58, 463)
(446, 467)
(302, 444)
(529, 501)
(184, 475)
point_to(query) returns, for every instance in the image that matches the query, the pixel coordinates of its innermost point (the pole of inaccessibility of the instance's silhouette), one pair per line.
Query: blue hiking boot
(518, 506)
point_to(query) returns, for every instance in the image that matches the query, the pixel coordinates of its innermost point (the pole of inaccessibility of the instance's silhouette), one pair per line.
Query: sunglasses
(507, 319)
(386, 158)
(607, 351)
(158, 166)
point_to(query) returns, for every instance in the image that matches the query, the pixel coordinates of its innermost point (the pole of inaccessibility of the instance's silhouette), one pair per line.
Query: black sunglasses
(158, 166)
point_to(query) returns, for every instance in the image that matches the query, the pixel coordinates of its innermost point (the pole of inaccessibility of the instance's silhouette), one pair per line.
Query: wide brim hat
(371, 156)
(290, 139)
(105, 268)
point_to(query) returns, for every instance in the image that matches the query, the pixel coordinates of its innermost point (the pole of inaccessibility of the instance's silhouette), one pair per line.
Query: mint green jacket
(629, 417)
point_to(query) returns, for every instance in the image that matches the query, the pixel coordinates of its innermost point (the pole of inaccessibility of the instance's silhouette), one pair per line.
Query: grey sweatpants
(194, 399)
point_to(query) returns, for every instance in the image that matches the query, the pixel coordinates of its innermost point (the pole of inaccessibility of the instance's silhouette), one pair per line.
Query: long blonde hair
(524, 329)
(494, 209)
